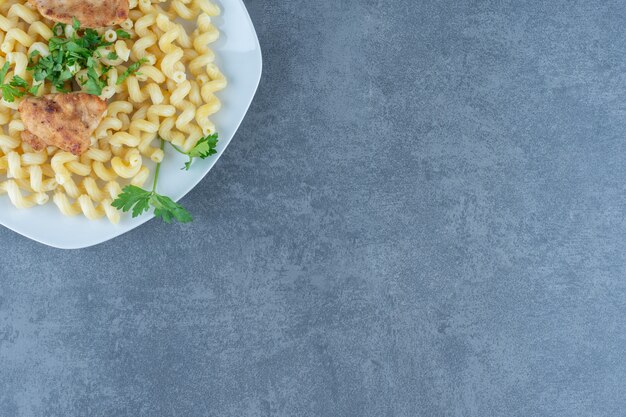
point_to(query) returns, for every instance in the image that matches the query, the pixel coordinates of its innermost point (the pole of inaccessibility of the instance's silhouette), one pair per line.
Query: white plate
(239, 58)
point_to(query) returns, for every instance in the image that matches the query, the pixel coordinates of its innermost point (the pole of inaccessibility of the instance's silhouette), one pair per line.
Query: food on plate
(62, 120)
(93, 93)
(91, 14)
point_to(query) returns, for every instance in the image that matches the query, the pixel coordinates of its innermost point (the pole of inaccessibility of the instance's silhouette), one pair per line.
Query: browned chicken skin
(62, 120)
(90, 13)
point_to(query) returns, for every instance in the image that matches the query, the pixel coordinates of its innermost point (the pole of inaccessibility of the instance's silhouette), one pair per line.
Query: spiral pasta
(172, 96)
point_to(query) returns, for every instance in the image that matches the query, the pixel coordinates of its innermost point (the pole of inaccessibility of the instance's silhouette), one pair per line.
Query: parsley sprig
(139, 201)
(70, 55)
(204, 148)
(16, 88)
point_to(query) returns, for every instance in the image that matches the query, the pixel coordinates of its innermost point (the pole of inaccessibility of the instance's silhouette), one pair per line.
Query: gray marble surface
(422, 215)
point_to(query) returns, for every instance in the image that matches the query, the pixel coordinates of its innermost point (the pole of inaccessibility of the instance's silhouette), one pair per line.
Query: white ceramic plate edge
(207, 165)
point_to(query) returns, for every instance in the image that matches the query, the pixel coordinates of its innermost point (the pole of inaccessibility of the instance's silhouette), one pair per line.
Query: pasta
(171, 96)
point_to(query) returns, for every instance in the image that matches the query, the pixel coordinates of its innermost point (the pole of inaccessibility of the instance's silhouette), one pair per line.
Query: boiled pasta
(171, 96)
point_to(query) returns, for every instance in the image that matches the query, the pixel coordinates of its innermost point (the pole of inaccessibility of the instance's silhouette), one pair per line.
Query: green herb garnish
(139, 201)
(34, 89)
(58, 29)
(204, 148)
(68, 56)
(122, 34)
(132, 69)
(16, 88)
(93, 84)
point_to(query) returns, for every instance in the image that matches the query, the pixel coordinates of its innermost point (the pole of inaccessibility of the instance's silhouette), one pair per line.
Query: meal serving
(92, 90)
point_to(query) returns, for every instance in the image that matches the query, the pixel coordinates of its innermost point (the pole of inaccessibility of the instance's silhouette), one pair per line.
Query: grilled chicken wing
(62, 120)
(90, 13)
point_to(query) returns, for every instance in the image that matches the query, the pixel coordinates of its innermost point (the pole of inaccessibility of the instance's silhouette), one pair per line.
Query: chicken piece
(34, 142)
(90, 13)
(63, 120)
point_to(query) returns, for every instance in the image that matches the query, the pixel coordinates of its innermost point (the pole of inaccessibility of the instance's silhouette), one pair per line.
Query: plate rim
(149, 216)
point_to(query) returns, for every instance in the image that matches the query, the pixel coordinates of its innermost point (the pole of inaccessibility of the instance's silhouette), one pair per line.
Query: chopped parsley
(132, 69)
(68, 56)
(122, 34)
(93, 83)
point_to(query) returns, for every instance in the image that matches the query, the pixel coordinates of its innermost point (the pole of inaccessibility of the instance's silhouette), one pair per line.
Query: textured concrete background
(422, 215)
